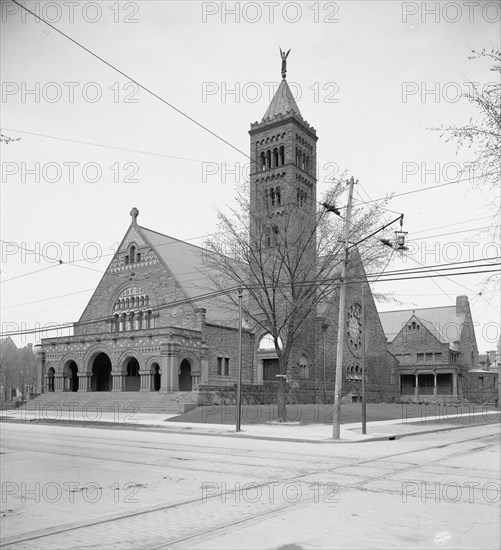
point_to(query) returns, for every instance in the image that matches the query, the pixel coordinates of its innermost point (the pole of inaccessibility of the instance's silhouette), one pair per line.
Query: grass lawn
(350, 412)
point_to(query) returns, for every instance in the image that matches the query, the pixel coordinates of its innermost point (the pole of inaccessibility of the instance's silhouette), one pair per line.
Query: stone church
(152, 325)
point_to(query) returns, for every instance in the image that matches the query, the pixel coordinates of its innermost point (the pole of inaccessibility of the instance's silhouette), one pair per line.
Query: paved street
(73, 487)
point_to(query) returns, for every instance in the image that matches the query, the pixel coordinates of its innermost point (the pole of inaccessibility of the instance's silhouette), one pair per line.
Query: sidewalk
(313, 433)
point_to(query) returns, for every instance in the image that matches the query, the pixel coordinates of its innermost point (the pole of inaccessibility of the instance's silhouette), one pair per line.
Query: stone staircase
(121, 403)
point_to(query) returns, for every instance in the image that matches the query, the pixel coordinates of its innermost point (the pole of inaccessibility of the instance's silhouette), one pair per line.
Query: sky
(372, 77)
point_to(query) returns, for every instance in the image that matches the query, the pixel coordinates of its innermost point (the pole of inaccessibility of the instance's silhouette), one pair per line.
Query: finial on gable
(134, 213)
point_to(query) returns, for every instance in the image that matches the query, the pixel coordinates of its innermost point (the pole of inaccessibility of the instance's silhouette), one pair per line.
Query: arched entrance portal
(50, 379)
(132, 380)
(73, 376)
(101, 373)
(185, 380)
(156, 376)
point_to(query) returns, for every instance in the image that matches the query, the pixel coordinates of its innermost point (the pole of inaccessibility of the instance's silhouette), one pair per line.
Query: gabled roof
(186, 263)
(443, 322)
(282, 103)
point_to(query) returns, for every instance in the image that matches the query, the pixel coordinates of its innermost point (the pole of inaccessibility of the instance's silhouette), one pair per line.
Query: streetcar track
(19, 539)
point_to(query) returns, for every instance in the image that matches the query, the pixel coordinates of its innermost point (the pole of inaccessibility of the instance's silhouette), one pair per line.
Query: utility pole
(341, 329)
(239, 378)
(364, 404)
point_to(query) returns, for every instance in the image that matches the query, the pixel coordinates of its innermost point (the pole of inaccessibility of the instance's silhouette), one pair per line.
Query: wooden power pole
(341, 329)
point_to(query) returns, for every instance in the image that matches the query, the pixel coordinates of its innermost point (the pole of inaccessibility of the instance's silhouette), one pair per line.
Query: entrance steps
(121, 403)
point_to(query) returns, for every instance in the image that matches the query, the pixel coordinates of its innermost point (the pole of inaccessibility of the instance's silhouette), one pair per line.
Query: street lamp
(400, 246)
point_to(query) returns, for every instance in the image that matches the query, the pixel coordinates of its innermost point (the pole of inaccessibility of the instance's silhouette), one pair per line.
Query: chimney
(462, 305)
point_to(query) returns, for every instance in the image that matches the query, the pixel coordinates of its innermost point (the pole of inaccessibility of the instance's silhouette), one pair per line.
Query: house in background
(438, 355)
(435, 348)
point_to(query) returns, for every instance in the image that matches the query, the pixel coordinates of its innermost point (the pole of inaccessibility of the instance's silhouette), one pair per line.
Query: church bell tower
(283, 178)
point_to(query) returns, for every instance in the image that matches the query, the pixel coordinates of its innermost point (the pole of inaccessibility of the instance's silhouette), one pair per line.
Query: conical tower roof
(282, 103)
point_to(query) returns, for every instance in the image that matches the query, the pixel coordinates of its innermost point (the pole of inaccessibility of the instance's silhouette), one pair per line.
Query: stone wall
(481, 387)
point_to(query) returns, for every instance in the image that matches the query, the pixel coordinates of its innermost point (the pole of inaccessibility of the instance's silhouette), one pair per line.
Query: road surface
(72, 487)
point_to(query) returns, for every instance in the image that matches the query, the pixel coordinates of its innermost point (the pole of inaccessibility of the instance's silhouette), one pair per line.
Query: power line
(110, 146)
(131, 79)
(214, 294)
(451, 233)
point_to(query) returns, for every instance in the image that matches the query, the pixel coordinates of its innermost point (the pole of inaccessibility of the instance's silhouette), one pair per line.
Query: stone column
(204, 364)
(40, 356)
(170, 367)
(146, 380)
(118, 381)
(259, 373)
(416, 389)
(201, 316)
(454, 384)
(435, 385)
(84, 381)
(58, 382)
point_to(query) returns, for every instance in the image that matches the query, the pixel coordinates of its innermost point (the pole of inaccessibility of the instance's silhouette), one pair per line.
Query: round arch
(124, 359)
(145, 286)
(185, 375)
(101, 372)
(92, 353)
(49, 377)
(70, 374)
(132, 376)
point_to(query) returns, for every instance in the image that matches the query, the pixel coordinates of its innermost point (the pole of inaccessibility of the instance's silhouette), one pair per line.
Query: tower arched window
(272, 196)
(278, 196)
(132, 254)
(262, 161)
(268, 159)
(275, 158)
(282, 155)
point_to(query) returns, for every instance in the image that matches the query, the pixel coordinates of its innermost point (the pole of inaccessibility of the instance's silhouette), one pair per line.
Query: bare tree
(483, 134)
(287, 262)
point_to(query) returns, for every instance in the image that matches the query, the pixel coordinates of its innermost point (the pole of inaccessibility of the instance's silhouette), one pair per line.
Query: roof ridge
(169, 237)
(417, 309)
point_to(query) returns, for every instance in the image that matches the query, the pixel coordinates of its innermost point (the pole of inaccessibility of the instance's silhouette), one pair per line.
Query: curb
(188, 431)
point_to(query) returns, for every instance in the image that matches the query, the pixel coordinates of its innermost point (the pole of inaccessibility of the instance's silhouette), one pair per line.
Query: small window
(303, 367)
(219, 366)
(429, 357)
(481, 381)
(420, 357)
(226, 366)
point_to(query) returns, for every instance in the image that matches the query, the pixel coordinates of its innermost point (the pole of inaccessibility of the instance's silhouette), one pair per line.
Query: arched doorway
(132, 379)
(50, 379)
(185, 381)
(101, 373)
(156, 376)
(267, 356)
(72, 375)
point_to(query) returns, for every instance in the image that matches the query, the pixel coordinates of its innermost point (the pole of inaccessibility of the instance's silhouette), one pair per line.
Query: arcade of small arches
(131, 311)
(272, 158)
(100, 376)
(354, 373)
